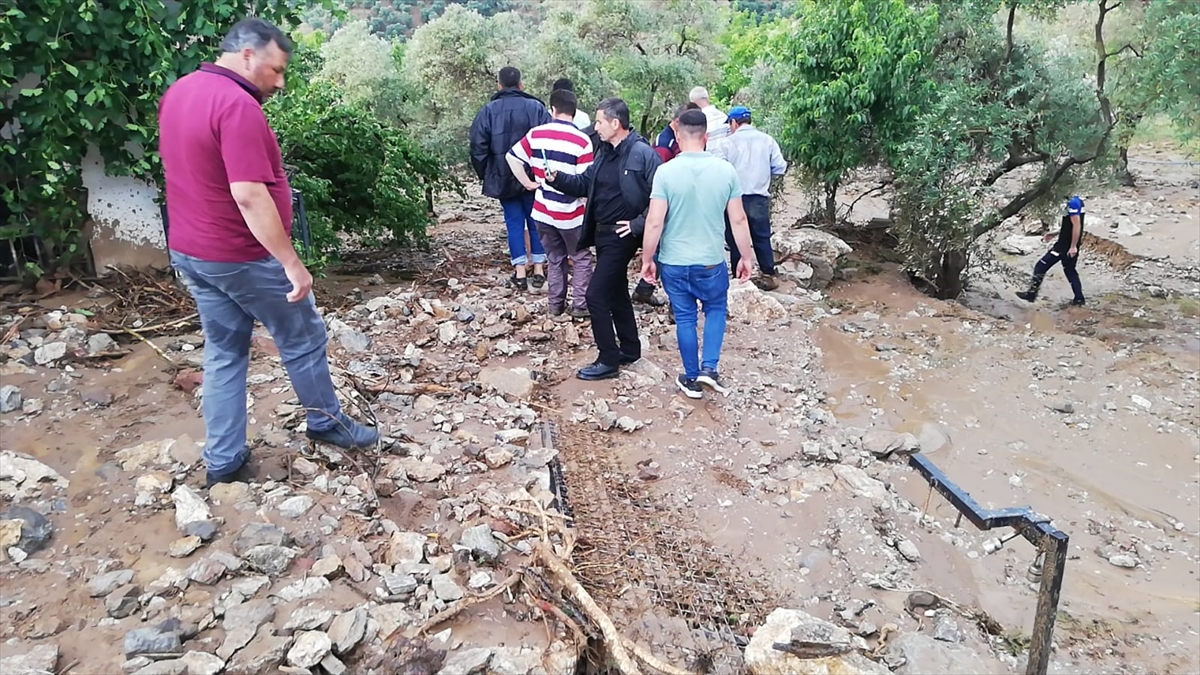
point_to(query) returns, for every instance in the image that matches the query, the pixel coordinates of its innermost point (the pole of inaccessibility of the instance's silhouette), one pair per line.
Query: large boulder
(833, 649)
(916, 654)
(749, 304)
(817, 250)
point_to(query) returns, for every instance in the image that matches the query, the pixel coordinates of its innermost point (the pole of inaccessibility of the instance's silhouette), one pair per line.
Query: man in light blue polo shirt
(685, 226)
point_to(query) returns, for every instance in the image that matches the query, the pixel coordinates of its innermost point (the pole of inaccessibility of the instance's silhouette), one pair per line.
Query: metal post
(1034, 528)
(1055, 546)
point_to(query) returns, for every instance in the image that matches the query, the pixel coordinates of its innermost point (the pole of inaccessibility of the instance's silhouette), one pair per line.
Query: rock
(921, 599)
(416, 470)
(390, 617)
(1123, 560)
(157, 641)
(155, 482)
(877, 441)
(242, 622)
(327, 567)
(103, 584)
(170, 667)
(479, 580)
(135, 664)
(150, 453)
(446, 588)
(496, 457)
(351, 340)
(946, 630)
(515, 661)
(99, 343)
(647, 368)
(515, 382)
(480, 542)
(908, 550)
(785, 625)
(447, 332)
(49, 353)
(183, 547)
(272, 561)
(406, 548)
(512, 437)
(302, 589)
(749, 304)
(32, 530)
(467, 662)
(10, 398)
(860, 483)
(309, 648)
(347, 630)
(1127, 229)
(1019, 244)
(46, 626)
(97, 396)
(818, 249)
(32, 406)
(307, 618)
(202, 663)
(204, 530)
(189, 507)
(257, 533)
(916, 654)
(1141, 402)
(24, 476)
(230, 493)
(210, 569)
(1064, 407)
(399, 585)
(294, 507)
(123, 601)
(332, 665)
(262, 655)
(41, 659)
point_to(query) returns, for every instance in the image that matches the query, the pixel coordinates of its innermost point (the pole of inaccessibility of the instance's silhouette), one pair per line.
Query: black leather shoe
(598, 371)
(627, 359)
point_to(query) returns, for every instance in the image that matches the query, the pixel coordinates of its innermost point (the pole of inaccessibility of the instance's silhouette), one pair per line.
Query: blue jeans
(686, 285)
(229, 297)
(517, 219)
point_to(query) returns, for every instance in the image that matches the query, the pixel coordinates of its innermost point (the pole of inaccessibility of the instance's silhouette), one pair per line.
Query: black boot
(1035, 284)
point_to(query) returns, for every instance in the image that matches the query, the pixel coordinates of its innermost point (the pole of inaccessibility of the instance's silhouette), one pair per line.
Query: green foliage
(393, 20)
(366, 69)
(1167, 77)
(89, 74)
(361, 176)
(749, 42)
(854, 71)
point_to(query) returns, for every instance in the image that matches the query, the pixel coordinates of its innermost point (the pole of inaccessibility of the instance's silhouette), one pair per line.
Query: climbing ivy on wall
(77, 73)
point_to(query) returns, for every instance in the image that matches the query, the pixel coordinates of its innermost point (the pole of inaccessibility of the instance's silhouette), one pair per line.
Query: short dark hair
(254, 33)
(509, 77)
(680, 110)
(564, 102)
(693, 123)
(563, 83)
(692, 105)
(615, 109)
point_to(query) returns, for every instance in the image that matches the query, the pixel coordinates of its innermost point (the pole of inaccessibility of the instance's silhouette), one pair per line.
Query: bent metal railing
(1051, 562)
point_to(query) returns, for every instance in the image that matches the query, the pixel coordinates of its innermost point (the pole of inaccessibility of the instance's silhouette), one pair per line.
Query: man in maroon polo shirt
(230, 211)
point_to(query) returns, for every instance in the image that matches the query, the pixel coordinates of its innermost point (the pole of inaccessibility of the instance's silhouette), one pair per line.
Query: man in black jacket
(617, 186)
(501, 124)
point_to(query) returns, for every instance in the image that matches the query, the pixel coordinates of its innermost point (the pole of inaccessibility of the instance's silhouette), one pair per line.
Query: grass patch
(1188, 307)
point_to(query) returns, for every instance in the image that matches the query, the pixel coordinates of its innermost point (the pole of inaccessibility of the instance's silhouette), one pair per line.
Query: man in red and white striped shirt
(563, 148)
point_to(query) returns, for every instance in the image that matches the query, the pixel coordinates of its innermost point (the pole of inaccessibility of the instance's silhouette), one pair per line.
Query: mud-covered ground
(695, 519)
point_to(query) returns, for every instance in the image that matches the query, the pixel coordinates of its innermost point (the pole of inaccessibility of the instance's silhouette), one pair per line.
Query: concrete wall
(127, 226)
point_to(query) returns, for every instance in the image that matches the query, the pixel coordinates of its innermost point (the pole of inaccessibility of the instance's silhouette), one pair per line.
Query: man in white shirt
(581, 120)
(718, 129)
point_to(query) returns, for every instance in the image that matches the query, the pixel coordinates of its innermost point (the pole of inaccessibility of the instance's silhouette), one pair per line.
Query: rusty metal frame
(1035, 528)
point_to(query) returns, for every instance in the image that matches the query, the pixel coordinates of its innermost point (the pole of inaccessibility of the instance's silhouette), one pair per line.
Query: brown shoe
(767, 282)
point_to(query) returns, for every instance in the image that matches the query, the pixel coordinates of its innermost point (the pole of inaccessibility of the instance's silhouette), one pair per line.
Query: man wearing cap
(756, 157)
(1065, 250)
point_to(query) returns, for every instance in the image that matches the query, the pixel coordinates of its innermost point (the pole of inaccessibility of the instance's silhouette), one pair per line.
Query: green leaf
(36, 91)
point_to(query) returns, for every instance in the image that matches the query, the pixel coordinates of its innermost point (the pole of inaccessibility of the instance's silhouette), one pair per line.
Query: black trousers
(1055, 256)
(758, 214)
(613, 324)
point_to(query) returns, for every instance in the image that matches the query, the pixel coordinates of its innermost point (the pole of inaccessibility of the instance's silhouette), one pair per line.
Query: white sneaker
(712, 380)
(689, 388)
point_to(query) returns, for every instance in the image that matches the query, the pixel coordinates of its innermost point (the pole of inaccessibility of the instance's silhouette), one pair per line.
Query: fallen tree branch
(410, 389)
(453, 610)
(153, 346)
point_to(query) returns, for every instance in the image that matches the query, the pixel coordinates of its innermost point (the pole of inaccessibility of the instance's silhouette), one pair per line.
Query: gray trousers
(563, 246)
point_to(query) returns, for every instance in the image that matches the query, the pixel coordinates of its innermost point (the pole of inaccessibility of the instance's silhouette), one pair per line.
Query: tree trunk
(948, 273)
(831, 189)
(1124, 175)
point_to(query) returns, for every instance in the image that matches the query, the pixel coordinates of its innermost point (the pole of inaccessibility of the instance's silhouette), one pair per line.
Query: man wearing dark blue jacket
(500, 125)
(617, 186)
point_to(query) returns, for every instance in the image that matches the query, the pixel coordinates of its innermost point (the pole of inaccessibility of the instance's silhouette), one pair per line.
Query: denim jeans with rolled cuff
(518, 219)
(230, 297)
